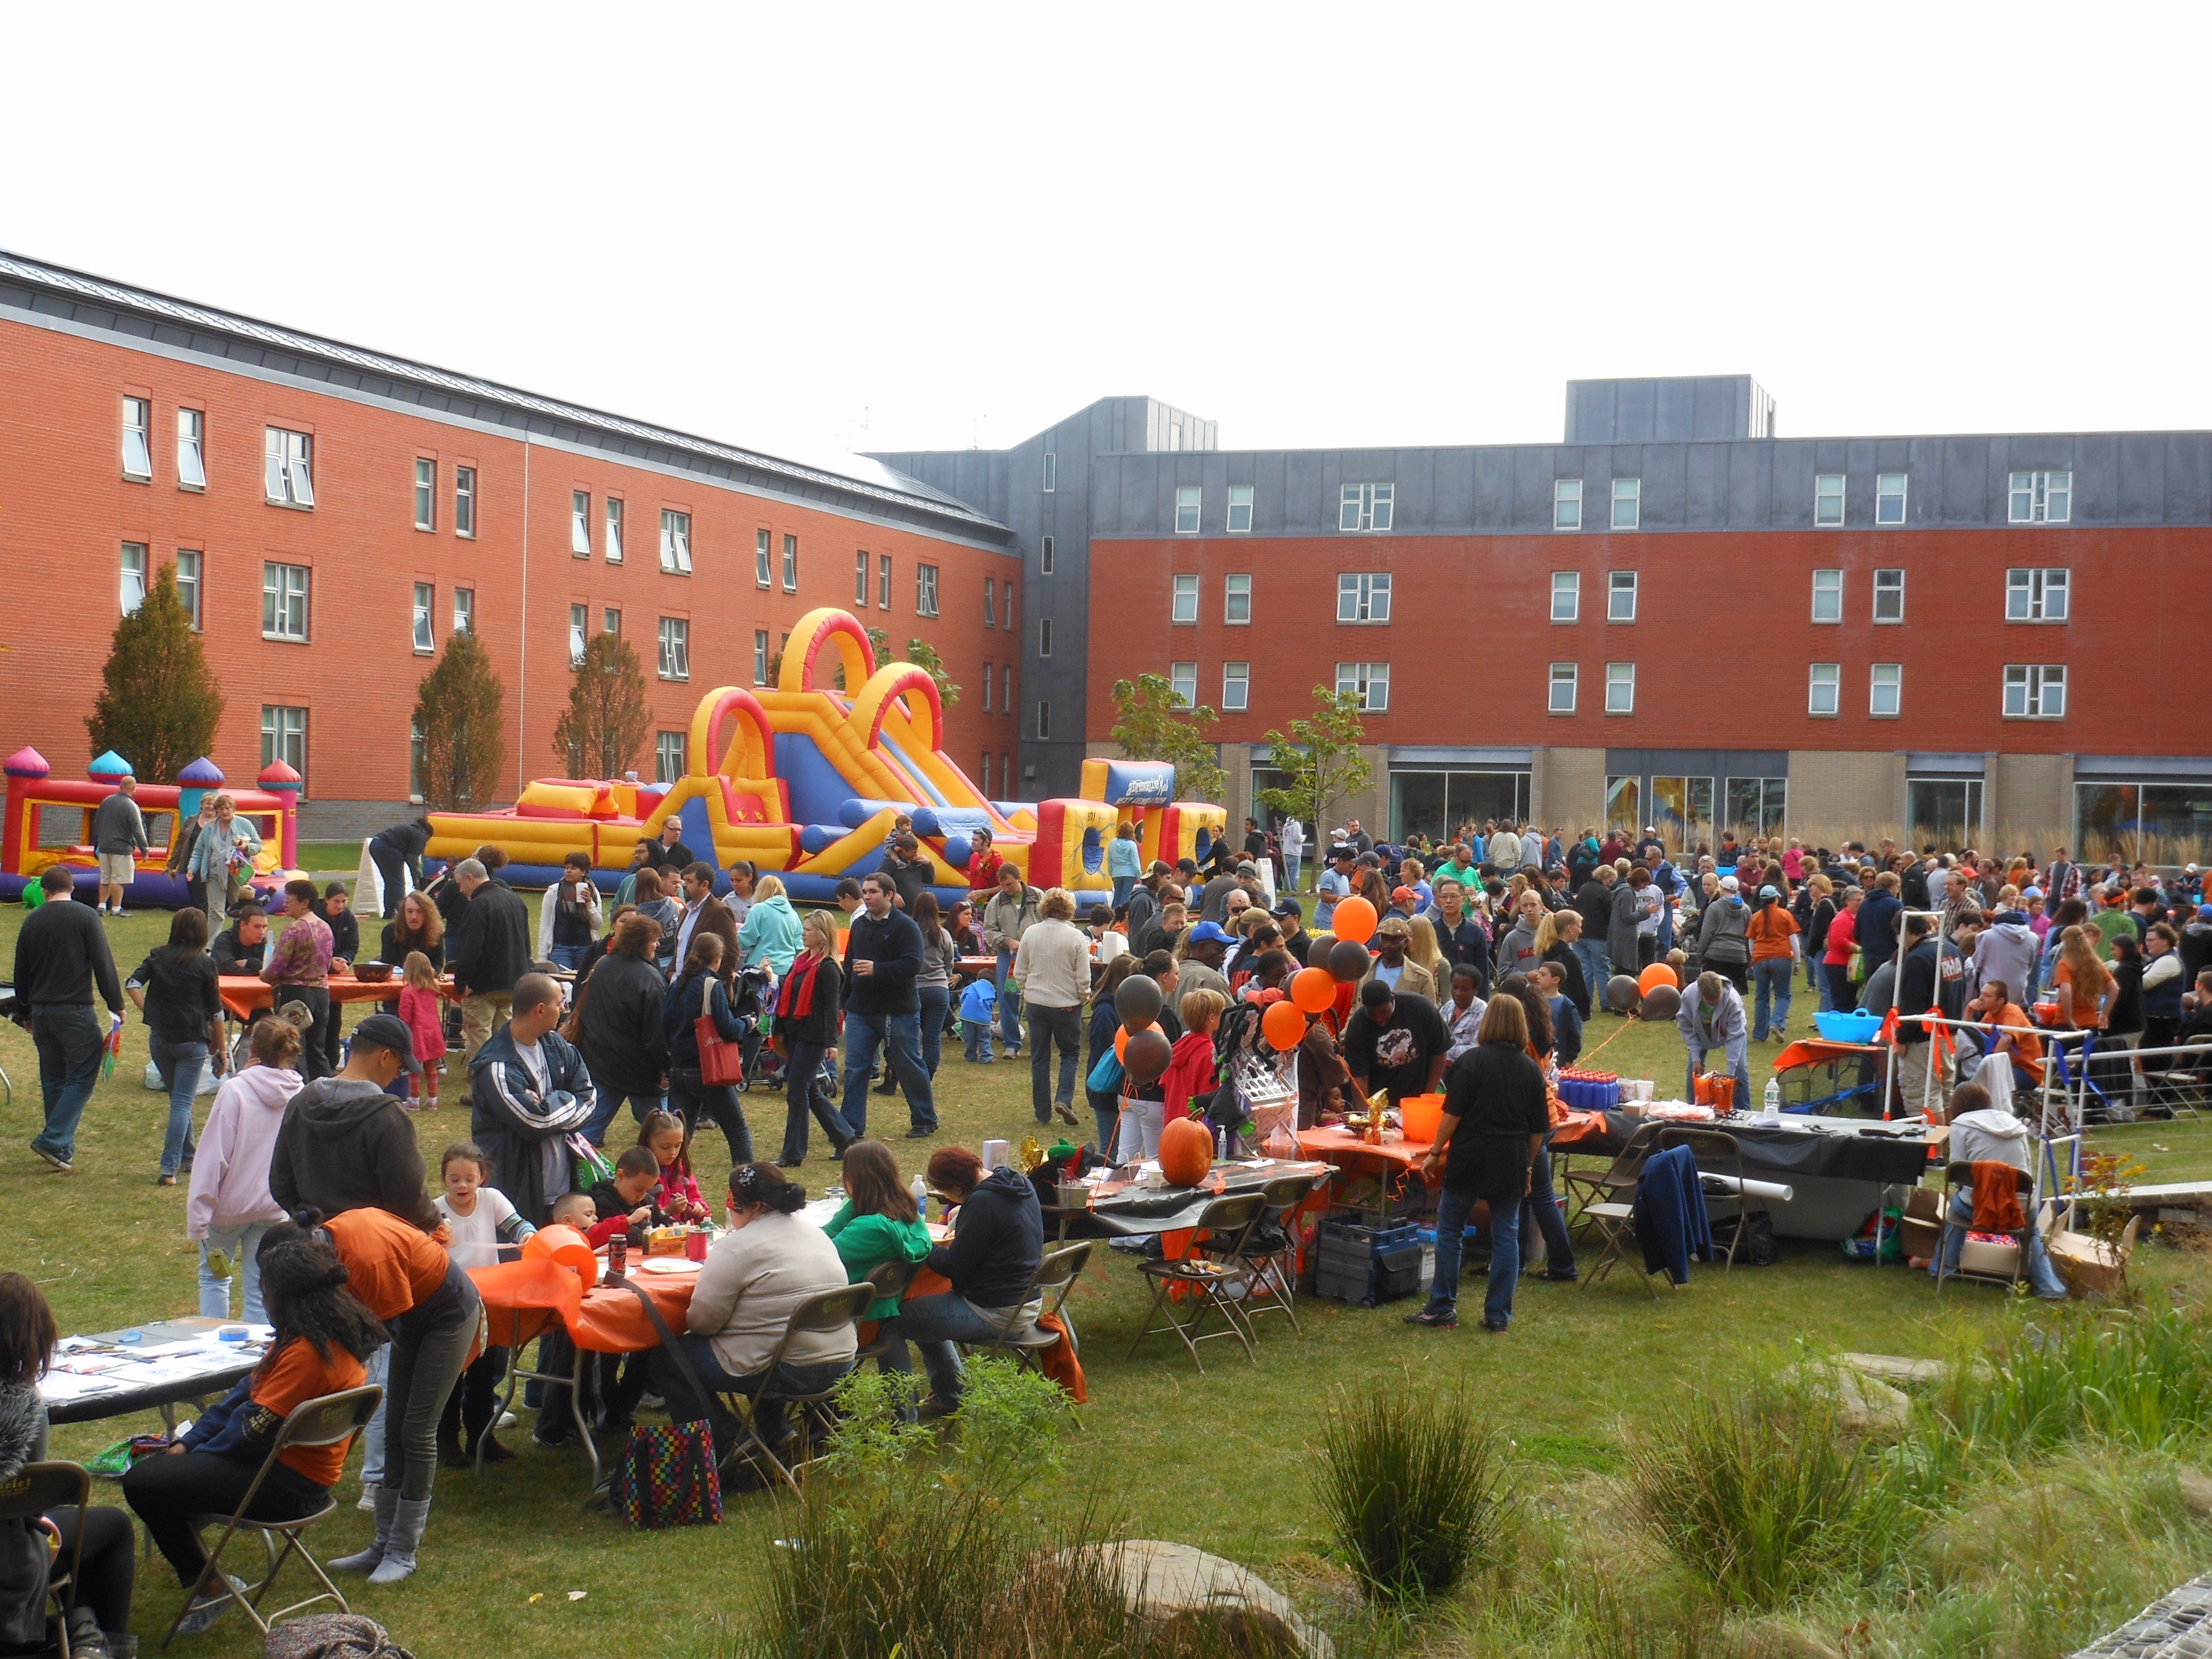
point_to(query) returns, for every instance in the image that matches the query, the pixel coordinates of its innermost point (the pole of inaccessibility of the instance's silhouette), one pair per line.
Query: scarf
(796, 999)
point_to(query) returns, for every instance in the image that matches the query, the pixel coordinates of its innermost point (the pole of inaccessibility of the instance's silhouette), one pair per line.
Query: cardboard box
(1996, 1260)
(1923, 1226)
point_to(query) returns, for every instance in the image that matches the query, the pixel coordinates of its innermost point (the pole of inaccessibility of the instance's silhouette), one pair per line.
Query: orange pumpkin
(1186, 1151)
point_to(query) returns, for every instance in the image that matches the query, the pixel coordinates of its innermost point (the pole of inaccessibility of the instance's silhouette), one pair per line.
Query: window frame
(1240, 499)
(790, 562)
(125, 571)
(924, 589)
(464, 611)
(1368, 592)
(1573, 590)
(883, 581)
(987, 685)
(1044, 637)
(278, 598)
(1821, 494)
(1176, 594)
(1230, 592)
(294, 453)
(1006, 688)
(672, 657)
(188, 587)
(1365, 679)
(1883, 496)
(287, 732)
(579, 634)
(426, 494)
(1044, 720)
(1613, 589)
(1832, 684)
(2035, 681)
(1612, 679)
(1876, 680)
(1189, 498)
(191, 442)
(1051, 471)
(763, 559)
(990, 601)
(2040, 487)
(863, 571)
(1566, 492)
(1833, 591)
(612, 549)
(1182, 685)
(2037, 590)
(671, 757)
(137, 438)
(423, 636)
(760, 656)
(675, 542)
(1897, 587)
(1367, 509)
(1237, 676)
(1044, 557)
(579, 524)
(1554, 679)
(464, 502)
(1633, 496)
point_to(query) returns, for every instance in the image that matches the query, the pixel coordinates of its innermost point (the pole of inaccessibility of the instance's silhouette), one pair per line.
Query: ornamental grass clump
(1416, 1492)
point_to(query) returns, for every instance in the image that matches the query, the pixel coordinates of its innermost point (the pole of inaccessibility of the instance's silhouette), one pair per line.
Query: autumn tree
(1320, 760)
(457, 711)
(158, 705)
(603, 730)
(923, 655)
(1151, 723)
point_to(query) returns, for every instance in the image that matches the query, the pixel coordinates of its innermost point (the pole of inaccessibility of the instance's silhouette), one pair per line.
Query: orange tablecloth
(1348, 1151)
(1819, 1051)
(244, 995)
(1579, 1126)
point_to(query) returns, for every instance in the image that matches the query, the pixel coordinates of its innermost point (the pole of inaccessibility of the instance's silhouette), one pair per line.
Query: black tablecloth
(1851, 1149)
(1138, 1211)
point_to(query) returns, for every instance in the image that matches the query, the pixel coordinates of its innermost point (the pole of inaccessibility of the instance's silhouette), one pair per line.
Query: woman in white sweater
(1052, 966)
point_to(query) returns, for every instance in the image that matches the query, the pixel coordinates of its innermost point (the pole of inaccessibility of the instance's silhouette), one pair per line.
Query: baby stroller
(752, 996)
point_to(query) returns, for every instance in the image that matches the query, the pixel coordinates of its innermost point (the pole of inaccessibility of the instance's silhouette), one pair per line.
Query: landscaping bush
(1415, 1491)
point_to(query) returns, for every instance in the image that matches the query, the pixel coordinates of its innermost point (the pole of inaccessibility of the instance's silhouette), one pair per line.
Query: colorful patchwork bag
(666, 1475)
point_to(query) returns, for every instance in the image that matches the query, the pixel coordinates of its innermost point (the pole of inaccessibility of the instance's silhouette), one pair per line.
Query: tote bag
(722, 1062)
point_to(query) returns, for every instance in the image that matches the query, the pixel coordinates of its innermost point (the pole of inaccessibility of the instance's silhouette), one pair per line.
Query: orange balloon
(1354, 919)
(1121, 1040)
(1284, 1025)
(1313, 989)
(1657, 973)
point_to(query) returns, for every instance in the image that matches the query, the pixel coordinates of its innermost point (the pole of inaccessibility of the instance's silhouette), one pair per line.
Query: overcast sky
(799, 227)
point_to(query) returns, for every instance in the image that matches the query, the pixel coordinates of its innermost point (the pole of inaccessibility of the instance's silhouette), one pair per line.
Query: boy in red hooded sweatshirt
(1188, 1083)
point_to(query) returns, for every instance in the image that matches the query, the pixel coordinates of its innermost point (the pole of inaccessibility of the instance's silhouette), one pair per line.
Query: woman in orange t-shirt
(2081, 985)
(324, 1332)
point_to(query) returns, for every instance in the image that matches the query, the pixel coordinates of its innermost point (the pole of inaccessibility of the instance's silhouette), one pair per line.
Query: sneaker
(506, 1420)
(368, 1504)
(920, 1134)
(204, 1612)
(1496, 1327)
(165, 1179)
(1568, 1278)
(1064, 1112)
(1431, 1320)
(55, 1161)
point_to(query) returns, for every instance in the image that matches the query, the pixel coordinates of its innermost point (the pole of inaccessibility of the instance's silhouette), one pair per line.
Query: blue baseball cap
(1211, 932)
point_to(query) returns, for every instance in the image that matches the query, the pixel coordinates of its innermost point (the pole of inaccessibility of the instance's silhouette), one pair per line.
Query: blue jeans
(866, 1035)
(1540, 1210)
(1452, 1212)
(1123, 886)
(1291, 871)
(1597, 968)
(641, 1106)
(936, 1003)
(180, 1065)
(242, 1244)
(1816, 981)
(934, 1323)
(807, 1093)
(976, 1041)
(2041, 1275)
(1772, 980)
(570, 956)
(1010, 1005)
(684, 1405)
(1047, 1026)
(70, 1040)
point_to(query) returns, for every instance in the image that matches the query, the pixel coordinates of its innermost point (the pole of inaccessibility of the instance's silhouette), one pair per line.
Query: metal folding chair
(830, 1310)
(35, 1489)
(1957, 1175)
(1270, 1252)
(884, 1278)
(331, 1420)
(1614, 1222)
(1050, 1286)
(1213, 1266)
(1717, 1152)
(1616, 1182)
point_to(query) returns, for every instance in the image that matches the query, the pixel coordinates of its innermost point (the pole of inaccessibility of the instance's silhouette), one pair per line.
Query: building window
(986, 774)
(134, 577)
(1621, 596)
(1627, 503)
(464, 502)
(1044, 557)
(990, 603)
(791, 564)
(1236, 601)
(1235, 686)
(883, 581)
(1182, 680)
(1828, 596)
(1365, 506)
(1008, 595)
(1240, 509)
(1368, 681)
(1889, 596)
(287, 467)
(670, 758)
(1759, 804)
(675, 542)
(285, 736)
(138, 452)
(1946, 811)
(925, 589)
(192, 449)
(1363, 596)
(760, 656)
(1566, 596)
(675, 648)
(1044, 721)
(1889, 498)
(1006, 688)
(1184, 608)
(418, 759)
(614, 531)
(1884, 690)
(860, 578)
(426, 596)
(579, 523)
(464, 611)
(1051, 472)
(188, 584)
(2035, 692)
(1566, 503)
(1620, 688)
(2042, 497)
(1682, 808)
(610, 620)
(763, 561)
(1044, 637)
(987, 685)
(1187, 499)
(1565, 678)
(579, 631)
(425, 493)
(1825, 688)
(1005, 771)
(283, 601)
(1828, 500)
(2035, 595)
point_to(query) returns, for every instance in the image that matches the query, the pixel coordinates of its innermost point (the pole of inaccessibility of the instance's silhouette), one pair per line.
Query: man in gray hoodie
(346, 1144)
(2007, 951)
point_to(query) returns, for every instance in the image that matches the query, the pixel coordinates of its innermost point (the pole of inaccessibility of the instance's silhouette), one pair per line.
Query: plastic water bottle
(921, 1191)
(1774, 1112)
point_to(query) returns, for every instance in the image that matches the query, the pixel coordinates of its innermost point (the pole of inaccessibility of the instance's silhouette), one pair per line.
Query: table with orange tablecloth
(244, 995)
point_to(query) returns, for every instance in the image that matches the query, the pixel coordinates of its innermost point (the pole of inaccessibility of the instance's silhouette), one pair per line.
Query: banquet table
(1132, 1212)
(245, 995)
(173, 1374)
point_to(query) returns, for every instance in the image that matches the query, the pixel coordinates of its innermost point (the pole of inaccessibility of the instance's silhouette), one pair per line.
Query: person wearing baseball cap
(1773, 933)
(1292, 916)
(1404, 901)
(1393, 967)
(1723, 934)
(1200, 968)
(346, 1143)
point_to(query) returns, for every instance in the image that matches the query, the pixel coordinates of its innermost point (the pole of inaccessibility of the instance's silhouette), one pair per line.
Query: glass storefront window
(1682, 811)
(1623, 804)
(1757, 806)
(1945, 813)
(2155, 823)
(1437, 804)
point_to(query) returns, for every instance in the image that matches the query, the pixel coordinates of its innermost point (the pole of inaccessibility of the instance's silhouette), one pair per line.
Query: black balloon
(1662, 1002)
(1620, 994)
(1146, 1054)
(1348, 961)
(1137, 999)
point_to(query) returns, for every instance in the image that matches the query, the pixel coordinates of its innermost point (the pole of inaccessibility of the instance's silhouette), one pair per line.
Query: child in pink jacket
(228, 1206)
(419, 1011)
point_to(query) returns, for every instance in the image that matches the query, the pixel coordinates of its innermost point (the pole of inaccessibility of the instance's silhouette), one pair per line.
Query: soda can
(618, 1255)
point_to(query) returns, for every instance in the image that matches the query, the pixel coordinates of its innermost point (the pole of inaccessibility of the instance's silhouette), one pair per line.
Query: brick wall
(1838, 795)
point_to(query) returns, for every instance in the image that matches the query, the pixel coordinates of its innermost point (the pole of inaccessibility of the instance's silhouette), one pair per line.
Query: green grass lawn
(1226, 1460)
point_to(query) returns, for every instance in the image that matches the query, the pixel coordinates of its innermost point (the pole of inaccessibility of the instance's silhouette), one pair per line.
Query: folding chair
(884, 1278)
(1270, 1252)
(1616, 1182)
(1214, 1264)
(1614, 1222)
(1956, 1175)
(331, 1420)
(35, 1489)
(830, 1310)
(1717, 1152)
(1050, 1286)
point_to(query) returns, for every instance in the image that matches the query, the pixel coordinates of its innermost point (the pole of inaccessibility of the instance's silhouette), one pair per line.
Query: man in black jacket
(1918, 1050)
(346, 1143)
(487, 952)
(991, 1261)
(396, 852)
(882, 1008)
(59, 954)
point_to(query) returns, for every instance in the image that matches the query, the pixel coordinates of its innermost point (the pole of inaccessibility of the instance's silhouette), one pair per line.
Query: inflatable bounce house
(50, 821)
(806, 777)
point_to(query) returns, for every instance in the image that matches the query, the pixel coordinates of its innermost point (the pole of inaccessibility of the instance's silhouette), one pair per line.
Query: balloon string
(1626, 1025)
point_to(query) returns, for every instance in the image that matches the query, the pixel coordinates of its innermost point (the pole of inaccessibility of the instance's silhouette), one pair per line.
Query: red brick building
(334, 514)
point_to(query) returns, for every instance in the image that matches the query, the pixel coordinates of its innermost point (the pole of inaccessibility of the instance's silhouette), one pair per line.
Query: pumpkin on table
(1186, 1151)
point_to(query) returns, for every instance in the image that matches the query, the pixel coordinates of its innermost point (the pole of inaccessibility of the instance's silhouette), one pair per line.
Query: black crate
(1343, 1287)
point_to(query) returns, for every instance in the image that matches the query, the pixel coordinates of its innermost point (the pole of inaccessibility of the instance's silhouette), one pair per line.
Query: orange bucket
(1420, 1117)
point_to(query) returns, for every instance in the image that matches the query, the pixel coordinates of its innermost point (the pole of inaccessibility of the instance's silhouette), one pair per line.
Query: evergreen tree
(457, 711)
(159, 706)
(1151, 724)
(603, 729)
(1321, 760)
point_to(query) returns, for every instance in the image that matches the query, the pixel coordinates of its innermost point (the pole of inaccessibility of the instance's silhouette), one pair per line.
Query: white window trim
(925, 589)
(1197, 505)
(1842, 487)
(579, 523)
(1880, 620)
(464, 502)
(142, 430)
(424, 631)
(2037, 588)
(192, 444)
(125, 571)
(763, 559)
(1176, 593)
(1834, 685)
(1634, 497)
(1365, 679)
(1182, 685)
(675, 542)
(1572, 679)
(2035, 680)
(1242, 682)
(673, 642)
(790, 564)
(1366, 587)
(1819, 620)
(1051, 470)
(1613, 589)
(2039, 491)
(615, 519)
(1903, 496)
(1875, 684)
(1044, 637)
(1230, 526)
(1610, 681)
(1228, 592)
(1368, 502)
(283, 595)
(1574, 590)
(1561, 498)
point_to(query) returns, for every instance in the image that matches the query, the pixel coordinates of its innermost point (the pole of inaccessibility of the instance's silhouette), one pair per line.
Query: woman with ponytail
(324, 1334)
(755, 1275)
